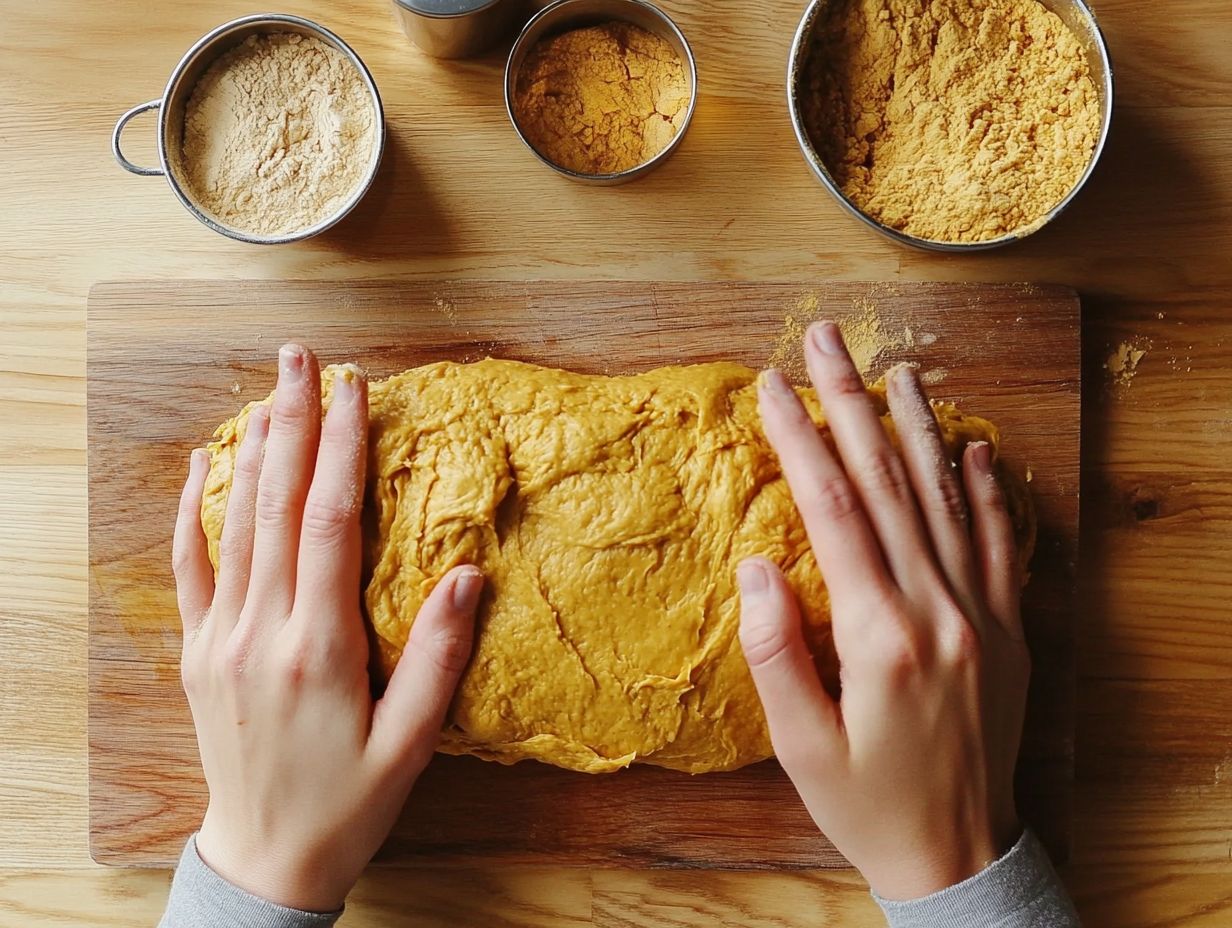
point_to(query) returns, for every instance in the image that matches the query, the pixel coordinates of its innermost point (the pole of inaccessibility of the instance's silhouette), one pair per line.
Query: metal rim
(803, 34)
(618, 176)
(406, 5)
(378, 140)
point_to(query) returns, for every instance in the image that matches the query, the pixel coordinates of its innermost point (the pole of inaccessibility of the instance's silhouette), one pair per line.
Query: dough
(608, 515)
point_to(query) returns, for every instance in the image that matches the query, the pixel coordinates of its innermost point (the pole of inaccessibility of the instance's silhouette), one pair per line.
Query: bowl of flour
(271, 129)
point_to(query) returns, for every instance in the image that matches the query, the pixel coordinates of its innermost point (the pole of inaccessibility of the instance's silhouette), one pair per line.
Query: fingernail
(198, 459)
(347, 379)
(466, 590)
(290, 363)
(258, 424)
(752, 578)
(981, 456)
(826, 338)
(906, 376)
(774, 382)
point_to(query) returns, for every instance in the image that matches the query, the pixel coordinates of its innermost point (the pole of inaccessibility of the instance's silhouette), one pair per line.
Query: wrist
(263, 870)
(938, 866)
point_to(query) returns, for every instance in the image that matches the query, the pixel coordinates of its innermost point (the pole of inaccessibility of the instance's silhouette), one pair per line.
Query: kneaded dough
(608, 515)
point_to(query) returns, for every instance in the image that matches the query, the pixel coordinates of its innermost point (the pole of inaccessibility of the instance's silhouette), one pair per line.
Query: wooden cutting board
(168, 361)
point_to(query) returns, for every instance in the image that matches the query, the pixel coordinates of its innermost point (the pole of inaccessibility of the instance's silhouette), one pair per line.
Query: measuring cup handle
(115, 139)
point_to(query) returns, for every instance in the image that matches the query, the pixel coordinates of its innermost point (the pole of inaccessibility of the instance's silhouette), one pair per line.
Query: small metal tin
(458, 28)
(1076, 14)
(573, 14)
(179, 88)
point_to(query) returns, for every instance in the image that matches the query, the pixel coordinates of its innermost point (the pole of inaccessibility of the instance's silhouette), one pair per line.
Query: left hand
(306, 773)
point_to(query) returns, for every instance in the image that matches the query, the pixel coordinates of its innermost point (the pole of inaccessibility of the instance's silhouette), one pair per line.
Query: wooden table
(1148, 245)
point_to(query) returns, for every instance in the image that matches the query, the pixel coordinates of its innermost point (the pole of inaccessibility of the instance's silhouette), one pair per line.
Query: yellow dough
(608, 515)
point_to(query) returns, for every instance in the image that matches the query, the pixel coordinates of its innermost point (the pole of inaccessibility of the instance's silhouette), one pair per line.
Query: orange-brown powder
(601, 99)
(950, 120)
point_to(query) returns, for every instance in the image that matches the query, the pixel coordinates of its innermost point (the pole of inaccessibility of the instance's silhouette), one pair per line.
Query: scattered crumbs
(1019, 319)
(935, 376)
(927, 338)
(1030, 474)
(1122, 363)
(1159, 315)
(908, 337)
(446, 308)
(236, 388)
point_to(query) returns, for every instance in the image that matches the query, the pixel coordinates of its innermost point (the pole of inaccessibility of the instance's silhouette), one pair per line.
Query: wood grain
(1151, 234)
(149, 403)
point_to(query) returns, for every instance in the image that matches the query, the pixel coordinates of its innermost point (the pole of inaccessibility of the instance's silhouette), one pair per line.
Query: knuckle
(236, 655)
(233, 546)
(448, 649)
(964, 647)
(247, 464)
(947, 500)
(845, 381)
(903, 650)
(882, 472)
(834, 499)
(289, 411)
(763, 643)
(183, 559)
(276, 506)
(329, 521)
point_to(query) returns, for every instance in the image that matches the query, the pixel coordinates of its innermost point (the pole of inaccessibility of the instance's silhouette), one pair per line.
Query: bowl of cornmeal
(270, 129)
(953, 125)
(601, 91)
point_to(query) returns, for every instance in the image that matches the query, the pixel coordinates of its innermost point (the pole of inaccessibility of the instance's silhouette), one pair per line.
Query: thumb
(803, 718)
(406, 722)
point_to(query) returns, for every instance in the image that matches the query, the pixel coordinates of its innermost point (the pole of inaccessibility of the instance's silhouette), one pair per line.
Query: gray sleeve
(1020, 890)
(200, 898)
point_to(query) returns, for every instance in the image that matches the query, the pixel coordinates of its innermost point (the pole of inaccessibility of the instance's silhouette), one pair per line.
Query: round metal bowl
(1076, 14)
(179, 88)
(574, 14)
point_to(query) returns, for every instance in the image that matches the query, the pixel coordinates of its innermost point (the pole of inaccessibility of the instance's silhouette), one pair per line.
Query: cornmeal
(950, 120)
(608, 515)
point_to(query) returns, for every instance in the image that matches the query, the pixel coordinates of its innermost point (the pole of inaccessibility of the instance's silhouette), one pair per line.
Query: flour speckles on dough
(608, 515)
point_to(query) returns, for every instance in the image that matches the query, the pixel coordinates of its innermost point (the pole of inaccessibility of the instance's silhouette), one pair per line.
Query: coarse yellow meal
(954, 121)
(601, 99)
(608, 515)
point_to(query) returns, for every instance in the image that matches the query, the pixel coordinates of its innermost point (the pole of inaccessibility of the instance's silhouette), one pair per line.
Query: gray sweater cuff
(1020, 890)
(200, 898)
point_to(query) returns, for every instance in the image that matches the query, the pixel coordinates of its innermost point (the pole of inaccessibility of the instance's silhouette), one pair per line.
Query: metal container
(1076, 14)
(575, 14)
(458, 28)
(179, 88)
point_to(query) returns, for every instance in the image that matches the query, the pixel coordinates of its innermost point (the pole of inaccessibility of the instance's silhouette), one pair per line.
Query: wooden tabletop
(1148, 245)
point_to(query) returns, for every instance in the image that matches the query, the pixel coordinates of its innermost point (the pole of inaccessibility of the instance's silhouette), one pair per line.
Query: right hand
(910, 772)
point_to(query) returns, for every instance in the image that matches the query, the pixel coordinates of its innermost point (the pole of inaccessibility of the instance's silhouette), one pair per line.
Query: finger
(329, 548)
(290, 457)
(871, 462)
(235, 546)
(802, 717)
(406, 723)
(847, 553)
(190, 559)
(993, 536)
(941, 496)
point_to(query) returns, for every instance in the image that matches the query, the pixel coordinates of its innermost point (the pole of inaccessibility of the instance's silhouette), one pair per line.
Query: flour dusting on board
(871, 341)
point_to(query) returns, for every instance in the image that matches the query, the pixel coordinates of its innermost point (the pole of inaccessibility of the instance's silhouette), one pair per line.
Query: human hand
(306, 773)
(910, 772)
